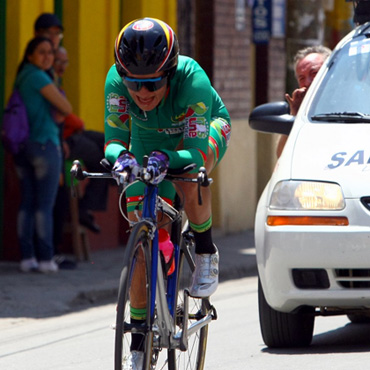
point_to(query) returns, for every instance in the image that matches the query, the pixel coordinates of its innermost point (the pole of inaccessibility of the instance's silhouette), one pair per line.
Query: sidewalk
(35, 295)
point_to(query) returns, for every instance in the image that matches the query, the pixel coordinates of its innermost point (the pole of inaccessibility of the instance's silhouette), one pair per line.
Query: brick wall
(277, 70)
(232, 59)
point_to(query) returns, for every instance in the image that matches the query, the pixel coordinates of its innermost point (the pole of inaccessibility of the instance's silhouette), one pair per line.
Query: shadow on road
(350, 338)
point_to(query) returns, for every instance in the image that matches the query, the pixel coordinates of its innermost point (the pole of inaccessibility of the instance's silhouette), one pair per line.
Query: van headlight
(292, 195)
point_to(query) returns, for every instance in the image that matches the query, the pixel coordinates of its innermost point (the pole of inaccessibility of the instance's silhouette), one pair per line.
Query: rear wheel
(280, 329)
(194, 356)
(134, 291)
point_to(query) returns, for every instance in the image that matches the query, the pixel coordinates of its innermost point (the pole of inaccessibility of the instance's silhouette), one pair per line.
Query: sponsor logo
(196, 128)
(117, 104)
(198, 109)
(121, 122)
(143, 25)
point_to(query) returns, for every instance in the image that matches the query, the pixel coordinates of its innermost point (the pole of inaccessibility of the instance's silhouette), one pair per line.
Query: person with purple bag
(38, 163)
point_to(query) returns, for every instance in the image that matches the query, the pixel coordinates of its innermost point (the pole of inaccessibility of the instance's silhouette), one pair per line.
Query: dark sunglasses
(152, 84)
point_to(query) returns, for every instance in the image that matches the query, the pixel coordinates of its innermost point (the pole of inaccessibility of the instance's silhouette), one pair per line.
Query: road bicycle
(174, 333)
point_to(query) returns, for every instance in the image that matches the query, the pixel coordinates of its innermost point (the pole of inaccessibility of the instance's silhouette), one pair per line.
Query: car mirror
(272, 117)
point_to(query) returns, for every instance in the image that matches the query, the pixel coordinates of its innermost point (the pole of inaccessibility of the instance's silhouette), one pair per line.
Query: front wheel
(133, 300)
(284, 330)
(194, 356)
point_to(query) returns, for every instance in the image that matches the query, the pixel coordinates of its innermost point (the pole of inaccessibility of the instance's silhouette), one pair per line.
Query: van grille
(353, 278)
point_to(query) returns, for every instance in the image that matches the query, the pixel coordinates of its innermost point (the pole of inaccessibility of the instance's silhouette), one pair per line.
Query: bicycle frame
(163, 300)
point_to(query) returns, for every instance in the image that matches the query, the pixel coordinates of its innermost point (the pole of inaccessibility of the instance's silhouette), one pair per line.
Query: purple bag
(15, 129)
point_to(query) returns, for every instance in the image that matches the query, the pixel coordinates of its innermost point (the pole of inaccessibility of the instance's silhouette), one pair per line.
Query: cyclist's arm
(197, 97)
(116, 117)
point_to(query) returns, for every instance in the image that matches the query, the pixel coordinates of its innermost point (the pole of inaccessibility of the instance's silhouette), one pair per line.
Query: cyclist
(162, 104)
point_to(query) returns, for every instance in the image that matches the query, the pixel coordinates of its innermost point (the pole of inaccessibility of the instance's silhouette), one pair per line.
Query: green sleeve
(116, 116)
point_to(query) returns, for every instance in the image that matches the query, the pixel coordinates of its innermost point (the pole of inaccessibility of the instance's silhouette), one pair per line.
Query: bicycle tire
(194, 357)
(139, 242)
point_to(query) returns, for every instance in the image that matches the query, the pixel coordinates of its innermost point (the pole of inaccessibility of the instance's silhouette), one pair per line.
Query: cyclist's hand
(126, 162)
(158, 163)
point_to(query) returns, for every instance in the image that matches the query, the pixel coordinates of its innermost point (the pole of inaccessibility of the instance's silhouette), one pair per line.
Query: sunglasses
(152, 84)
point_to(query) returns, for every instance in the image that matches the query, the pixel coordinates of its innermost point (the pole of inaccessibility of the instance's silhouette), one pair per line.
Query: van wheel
(282, 330)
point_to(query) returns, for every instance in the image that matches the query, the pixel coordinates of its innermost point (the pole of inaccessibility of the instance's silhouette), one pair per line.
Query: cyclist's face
(42, 56)
(145, 99)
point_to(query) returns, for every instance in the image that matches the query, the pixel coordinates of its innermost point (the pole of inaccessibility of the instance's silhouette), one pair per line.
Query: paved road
(95, 282)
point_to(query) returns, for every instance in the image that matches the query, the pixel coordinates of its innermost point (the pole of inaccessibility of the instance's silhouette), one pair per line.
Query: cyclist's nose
(144, 91)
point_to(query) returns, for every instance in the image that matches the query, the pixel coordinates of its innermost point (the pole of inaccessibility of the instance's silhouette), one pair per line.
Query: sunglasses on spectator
(152, 84)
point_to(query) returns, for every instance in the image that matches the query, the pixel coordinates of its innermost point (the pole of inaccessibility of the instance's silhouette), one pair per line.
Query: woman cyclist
(161, 104)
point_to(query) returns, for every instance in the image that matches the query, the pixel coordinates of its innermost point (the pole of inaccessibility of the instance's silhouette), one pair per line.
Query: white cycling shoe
(134, 361)
(205, 275)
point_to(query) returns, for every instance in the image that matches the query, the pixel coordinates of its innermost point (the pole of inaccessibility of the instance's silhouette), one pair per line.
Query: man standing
(48, 25)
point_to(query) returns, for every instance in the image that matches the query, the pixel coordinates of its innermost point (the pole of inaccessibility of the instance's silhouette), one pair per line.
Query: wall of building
(235, 185)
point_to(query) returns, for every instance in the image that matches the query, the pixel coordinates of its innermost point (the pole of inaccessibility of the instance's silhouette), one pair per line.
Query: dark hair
(47, 20)
(30, 48)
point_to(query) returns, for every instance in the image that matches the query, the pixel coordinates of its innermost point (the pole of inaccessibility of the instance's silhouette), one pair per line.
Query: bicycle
(175, 321)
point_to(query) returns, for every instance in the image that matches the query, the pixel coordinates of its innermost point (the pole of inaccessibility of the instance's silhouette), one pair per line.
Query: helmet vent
(141, 44)
(158, 41)
(151, 60)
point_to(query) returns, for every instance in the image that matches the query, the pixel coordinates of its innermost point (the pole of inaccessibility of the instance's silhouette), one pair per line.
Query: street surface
(84, 341)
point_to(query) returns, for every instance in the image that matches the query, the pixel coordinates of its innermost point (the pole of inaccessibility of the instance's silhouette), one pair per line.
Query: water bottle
(167, 249)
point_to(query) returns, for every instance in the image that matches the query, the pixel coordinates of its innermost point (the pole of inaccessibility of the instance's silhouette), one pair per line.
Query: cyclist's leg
(200, 216)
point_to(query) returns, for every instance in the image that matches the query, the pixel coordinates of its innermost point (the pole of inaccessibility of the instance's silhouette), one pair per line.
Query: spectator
(307, 63)
(48, 25)
(38, 163)
(86, 145)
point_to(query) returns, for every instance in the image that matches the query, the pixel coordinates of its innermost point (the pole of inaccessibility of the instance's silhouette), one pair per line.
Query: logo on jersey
(116, 103)
(172, 130)
(118, 107)
(223, 129)
(198, 109)
(196, 127)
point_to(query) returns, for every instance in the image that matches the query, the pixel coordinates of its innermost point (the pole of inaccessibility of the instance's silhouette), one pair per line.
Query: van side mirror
(272, 117)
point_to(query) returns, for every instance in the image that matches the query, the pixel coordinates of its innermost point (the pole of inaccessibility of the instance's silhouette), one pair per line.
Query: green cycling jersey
(179, 126)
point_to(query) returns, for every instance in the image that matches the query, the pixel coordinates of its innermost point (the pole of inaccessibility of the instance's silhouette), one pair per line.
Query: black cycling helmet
(146, 46)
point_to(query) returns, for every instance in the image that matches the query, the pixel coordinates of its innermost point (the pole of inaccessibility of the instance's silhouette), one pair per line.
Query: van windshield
(345, 90)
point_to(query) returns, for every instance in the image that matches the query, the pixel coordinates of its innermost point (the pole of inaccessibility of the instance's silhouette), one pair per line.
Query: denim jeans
(38, 168)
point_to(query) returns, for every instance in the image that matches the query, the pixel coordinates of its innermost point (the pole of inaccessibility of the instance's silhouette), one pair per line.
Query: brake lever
(205, 180)
(200, 179)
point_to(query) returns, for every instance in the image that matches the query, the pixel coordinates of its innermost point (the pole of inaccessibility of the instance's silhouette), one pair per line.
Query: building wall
(235, 185)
